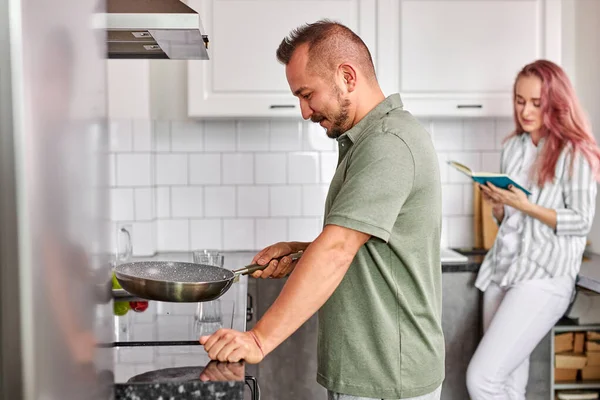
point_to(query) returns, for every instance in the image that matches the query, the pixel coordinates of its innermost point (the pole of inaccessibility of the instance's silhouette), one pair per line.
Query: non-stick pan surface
(180, 282)
(174, 281)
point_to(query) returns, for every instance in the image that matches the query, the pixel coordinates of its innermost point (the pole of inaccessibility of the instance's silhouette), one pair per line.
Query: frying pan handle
(255, 267)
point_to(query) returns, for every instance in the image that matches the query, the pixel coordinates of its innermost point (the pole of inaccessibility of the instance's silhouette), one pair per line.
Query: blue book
(499, 180)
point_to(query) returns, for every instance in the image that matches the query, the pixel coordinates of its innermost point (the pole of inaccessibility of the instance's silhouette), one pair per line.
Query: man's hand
(233, 346)
(218, 372)
(276, 269)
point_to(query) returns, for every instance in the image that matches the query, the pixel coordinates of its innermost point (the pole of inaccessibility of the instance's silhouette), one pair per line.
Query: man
(374, 272)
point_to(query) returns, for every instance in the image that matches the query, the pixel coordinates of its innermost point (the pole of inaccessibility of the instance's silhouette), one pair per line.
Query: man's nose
(307, 112)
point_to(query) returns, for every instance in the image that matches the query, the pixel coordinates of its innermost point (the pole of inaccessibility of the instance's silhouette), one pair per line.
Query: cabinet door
(243, 76)
(460, 57)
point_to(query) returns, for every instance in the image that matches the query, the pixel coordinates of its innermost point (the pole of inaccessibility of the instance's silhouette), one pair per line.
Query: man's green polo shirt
(380, 333)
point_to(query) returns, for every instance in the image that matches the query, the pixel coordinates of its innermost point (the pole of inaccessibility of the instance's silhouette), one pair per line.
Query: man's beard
(339, 123)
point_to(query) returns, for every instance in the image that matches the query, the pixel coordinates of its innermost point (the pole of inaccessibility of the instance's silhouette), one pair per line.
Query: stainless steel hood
(154, 29)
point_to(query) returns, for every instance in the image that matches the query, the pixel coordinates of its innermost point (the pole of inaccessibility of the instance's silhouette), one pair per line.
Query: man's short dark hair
(329, 44)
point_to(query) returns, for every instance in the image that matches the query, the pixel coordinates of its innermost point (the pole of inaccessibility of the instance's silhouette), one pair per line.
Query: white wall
(241, 185)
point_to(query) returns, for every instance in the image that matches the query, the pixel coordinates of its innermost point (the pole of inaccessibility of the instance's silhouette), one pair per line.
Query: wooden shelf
(577, 385)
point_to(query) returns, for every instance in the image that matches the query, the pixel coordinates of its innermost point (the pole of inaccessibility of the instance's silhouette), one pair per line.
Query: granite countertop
(157, 353)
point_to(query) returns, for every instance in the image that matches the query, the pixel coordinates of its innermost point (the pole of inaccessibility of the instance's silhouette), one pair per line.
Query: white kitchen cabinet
(460, 57)
(243, 77)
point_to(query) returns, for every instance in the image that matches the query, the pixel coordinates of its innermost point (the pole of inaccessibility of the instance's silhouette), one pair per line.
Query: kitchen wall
(241, 185)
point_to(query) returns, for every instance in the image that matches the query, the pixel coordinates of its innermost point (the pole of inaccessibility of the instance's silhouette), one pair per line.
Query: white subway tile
(122, 205)
(187, 202)
(270, 231)
(163, 202)
(187, 136)
(162, 136)
(219, 135)
(316, 139)
(313, 200)
(206, 234)
(219, 201)
(478, 134)
(124, 371)
(143, 136)
(285, 201)
(205, 169)
(173, 235)
(134, 170)
(238, 168)
(171, 169)
(238, 234)
(286, 136)
(490, 162)
(167, 308)
(471, 160)
(144, 204)
(452, 199)
(461, 232)
(504, 127)
(303, 168)
(303, 229)
(468, 199)
(271, 168)
(328, 166)
(112, 170)
(143, 238)
(120, 136)
(253, 201)
(444, 236)
(253, 135)
(447, 134)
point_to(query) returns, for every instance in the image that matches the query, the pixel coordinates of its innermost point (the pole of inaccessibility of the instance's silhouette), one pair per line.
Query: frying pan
(180, 282)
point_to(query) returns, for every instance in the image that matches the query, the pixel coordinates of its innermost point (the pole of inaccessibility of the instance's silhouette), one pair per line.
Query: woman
(528, 276)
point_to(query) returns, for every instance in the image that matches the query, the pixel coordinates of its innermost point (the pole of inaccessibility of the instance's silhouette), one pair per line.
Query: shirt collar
(392, 102)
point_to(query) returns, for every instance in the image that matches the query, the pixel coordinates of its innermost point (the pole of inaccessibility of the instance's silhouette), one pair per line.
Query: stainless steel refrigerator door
(54, 233)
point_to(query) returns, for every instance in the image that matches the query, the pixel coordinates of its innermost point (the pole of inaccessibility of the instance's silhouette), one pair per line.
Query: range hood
(154, 29)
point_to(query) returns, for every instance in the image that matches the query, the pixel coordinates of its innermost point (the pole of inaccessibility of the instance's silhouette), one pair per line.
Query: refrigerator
(55, 256)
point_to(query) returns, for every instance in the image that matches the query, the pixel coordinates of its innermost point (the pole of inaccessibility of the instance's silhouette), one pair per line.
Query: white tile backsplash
(134, 170)
(238, 169)
(253, 201)
(243, 185)
(205, 169)
(219, 201)
(171, 169)
(271, 168)
(142, 136)
(187, 201)
(253, 135)
(219, 135)
(303, 167)
(238, 234)
(122, 204)
(187, 136)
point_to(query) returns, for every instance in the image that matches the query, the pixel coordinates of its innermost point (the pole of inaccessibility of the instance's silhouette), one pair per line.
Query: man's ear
(349, 77)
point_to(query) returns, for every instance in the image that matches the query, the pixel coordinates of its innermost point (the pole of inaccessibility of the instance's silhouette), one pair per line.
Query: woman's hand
(512, 197)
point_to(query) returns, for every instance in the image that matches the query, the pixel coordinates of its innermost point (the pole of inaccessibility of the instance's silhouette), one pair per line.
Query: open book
(499, 180)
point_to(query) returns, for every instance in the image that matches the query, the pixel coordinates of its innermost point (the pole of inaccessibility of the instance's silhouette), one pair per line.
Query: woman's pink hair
(563, 120)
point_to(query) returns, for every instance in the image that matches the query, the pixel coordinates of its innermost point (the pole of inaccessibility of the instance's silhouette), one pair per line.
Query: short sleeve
(379, 178)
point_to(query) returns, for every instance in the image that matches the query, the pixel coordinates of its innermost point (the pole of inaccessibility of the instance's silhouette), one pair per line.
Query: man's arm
(316, 276)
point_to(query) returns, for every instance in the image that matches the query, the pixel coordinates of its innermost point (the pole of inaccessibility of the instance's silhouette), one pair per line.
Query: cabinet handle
(469, 106)
(282, 106)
